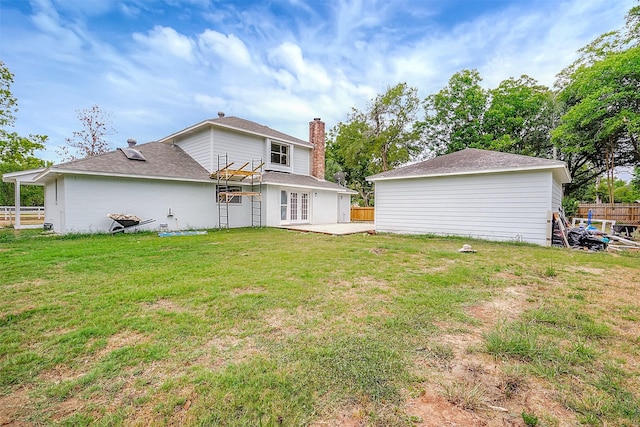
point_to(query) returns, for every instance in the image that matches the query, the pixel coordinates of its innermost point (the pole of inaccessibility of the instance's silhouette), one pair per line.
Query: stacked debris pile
(587, 237)
(583, 238)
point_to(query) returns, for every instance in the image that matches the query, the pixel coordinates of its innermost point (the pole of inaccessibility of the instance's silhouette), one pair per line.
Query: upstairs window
(279, 154)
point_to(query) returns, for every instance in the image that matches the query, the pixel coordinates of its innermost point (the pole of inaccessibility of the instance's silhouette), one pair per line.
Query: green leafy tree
(635, 181)
(600, 128)
(91, 139)
(520, 118)
(16, 152)
(516, 117)
(378, 139)
(623, 192)
(454, 116)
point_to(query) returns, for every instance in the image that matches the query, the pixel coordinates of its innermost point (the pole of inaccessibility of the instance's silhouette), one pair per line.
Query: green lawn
(270, 327)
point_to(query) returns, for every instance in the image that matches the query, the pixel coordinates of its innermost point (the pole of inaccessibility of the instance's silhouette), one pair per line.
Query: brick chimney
(316, 137)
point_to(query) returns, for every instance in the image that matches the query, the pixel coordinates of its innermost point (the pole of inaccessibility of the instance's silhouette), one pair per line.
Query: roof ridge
(468, 161)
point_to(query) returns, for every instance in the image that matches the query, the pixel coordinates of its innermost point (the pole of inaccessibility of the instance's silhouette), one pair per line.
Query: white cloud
(209, 103)
(309, 75)
(279, 64)
(229, 48)
(162, 40)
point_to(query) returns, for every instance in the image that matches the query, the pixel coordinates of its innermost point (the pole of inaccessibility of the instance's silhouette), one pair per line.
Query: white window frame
(288, 154)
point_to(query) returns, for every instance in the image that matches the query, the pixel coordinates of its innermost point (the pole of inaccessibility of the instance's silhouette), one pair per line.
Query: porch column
(16, 203)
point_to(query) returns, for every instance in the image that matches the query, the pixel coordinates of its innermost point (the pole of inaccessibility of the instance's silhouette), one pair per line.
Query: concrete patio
(334, 229)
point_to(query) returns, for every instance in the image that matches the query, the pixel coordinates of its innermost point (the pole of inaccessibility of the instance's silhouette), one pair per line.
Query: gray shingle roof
(171, 162)
(471, 160)
(162, 161)
(239, 124)
(282, 178)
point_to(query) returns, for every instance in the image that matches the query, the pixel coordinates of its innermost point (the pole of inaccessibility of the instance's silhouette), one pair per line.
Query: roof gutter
(56, 171)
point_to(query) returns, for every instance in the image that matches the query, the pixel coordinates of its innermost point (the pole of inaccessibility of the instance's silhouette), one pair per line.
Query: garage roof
(474, 161)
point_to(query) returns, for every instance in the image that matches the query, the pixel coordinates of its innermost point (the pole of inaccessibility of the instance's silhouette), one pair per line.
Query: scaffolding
(226, 176)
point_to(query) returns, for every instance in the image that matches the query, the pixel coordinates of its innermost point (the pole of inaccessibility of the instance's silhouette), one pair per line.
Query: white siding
(239, 147)
(508, 206)
(54, 203)
(556, 200)
(198, 146)
(90, 199)
(301, 160)
(324, 207)
(271, 206)
(344, 208)
(239, 214)
(206, 147)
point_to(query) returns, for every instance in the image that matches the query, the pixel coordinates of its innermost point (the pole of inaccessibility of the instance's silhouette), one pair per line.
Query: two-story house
(222, 172)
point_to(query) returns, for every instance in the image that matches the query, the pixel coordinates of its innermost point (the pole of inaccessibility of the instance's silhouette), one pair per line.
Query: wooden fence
(361, 214)
(618, 212)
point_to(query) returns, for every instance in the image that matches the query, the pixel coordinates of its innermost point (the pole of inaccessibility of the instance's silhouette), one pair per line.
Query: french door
(294, 207)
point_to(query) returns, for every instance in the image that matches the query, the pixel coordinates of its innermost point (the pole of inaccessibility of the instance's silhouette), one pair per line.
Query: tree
(90, 141)
(346, 145)
(454, 116)
(635, 181)
(520, 118)
(600, 128)
(516, 117)
(623, 192)
(16, 152)
(378, 139)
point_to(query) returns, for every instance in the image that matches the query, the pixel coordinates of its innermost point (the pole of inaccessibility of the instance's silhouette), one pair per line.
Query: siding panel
(239, 147)
(556, 199)
(90, 199)
(502, 207)
(198, 146)
(54, 203)
(301, 160)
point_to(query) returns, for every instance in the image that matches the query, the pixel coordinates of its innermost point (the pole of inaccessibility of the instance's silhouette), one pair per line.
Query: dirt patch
(439, 267)
(433, 410)
(284, 323)
(223, 350)
(466, 387)
(589, 270)
(359, 295)
(60, 373)
(504, 308)
(245, 291)
(27, 285)
(15, 406)
(120, 340)
(166, 305)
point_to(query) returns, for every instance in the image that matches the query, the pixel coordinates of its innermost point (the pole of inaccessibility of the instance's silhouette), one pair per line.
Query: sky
(158, 66)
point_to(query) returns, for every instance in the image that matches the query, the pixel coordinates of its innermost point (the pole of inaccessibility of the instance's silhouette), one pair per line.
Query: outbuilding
(473, 193)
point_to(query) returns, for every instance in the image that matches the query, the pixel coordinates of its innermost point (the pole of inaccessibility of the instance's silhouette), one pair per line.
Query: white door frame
(295, 206)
